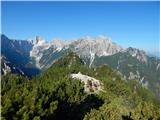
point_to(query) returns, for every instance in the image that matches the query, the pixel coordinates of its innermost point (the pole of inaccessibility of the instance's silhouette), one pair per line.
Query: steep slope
(44, 54)
(17, 48)
(8, 67)
(17, 52)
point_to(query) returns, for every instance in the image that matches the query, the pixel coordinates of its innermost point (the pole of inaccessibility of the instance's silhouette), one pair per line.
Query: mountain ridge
(39, 55)
(70, 90)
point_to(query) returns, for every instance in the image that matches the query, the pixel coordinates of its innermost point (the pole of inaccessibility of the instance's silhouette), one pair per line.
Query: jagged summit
(87, 47)
(39, 40)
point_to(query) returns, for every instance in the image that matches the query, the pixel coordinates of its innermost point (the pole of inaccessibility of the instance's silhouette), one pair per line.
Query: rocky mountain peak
(58, 44)
(3, 37)
(139, 54)
(102, 38)
(38, 41)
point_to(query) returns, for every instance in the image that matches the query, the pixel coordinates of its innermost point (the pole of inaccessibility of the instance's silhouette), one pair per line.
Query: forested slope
(54, 95)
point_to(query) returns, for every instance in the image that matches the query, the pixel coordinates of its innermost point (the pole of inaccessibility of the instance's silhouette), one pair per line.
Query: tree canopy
(54, 95)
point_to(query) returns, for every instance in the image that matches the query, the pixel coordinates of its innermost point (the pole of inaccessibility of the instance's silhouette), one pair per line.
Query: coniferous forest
(55, 95)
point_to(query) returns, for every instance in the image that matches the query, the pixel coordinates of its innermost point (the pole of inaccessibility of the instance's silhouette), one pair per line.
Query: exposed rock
(139, 54)
(90, 84)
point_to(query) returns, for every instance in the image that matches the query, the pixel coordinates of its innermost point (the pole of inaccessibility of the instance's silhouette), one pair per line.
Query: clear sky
(127, 23)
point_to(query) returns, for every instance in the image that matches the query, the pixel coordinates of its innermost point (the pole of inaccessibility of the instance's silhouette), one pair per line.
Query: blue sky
(127, 23)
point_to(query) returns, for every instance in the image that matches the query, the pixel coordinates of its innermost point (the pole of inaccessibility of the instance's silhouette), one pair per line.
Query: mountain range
(32, 57)
(70, 90)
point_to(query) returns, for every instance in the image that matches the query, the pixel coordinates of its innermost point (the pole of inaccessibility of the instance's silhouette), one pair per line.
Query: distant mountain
(135, 64)
(38, 55)
(45, 53)
(17, 52)
(7, 66)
